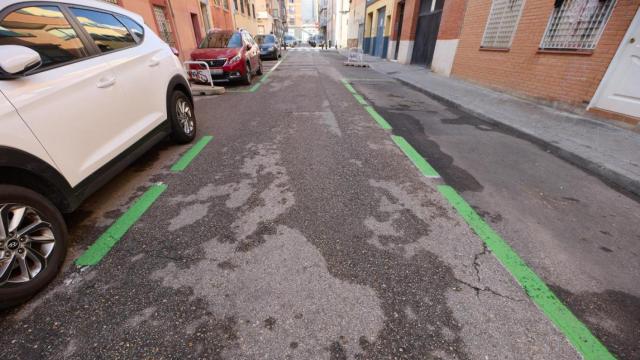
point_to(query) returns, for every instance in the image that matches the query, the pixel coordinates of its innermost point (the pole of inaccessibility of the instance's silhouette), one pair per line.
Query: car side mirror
(17, 61)
(175, 51)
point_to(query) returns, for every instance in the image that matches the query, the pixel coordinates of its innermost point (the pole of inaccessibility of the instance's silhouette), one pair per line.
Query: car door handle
(106, 82)
(153, 62)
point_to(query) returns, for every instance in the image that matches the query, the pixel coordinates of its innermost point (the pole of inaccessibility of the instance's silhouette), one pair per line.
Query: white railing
(198, 74)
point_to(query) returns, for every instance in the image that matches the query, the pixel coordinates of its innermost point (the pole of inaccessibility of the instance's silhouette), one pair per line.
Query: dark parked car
(231, 55)
(290, 41)
(269, 46)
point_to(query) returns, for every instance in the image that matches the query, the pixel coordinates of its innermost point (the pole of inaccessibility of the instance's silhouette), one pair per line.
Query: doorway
(427, 32)
(619, 90)
(379, 41)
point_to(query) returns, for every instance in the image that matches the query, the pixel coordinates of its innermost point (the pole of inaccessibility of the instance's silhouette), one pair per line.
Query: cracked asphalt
(303, 232)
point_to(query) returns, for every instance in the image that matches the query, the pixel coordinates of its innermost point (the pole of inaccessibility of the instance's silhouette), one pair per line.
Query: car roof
(88, 3)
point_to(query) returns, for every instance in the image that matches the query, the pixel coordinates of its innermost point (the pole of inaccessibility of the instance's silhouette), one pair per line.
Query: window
(45, 30)
(502, 23)
(576, 24)
(235, 5)
(292, 9)
(164, 26)
(134, 28)
(216, 2)
(253, 9)
(292, 1)
(292, 21)
(275, 13)
(225, 4)
(242, 6)
(105, 30)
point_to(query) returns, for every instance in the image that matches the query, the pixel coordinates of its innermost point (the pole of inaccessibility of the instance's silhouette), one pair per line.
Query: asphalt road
(301, 231)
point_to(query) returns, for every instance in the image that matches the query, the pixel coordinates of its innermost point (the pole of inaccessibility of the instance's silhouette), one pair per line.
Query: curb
(609, 176)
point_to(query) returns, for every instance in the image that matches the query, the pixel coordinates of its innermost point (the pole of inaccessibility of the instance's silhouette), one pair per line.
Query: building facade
(377, 27)
(577, 52)
(182, 24)
(244, 15)
(222, 14)
(355, 23)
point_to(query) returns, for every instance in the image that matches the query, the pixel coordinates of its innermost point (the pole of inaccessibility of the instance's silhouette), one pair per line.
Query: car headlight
(235, 59)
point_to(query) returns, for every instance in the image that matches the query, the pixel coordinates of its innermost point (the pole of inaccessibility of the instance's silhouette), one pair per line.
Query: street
(322, 220)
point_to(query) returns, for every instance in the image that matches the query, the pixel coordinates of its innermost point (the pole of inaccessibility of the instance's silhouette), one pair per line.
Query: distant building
(355, 23)
(300, 21)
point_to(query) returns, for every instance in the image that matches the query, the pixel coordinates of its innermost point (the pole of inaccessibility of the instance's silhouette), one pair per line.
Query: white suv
(85, 88)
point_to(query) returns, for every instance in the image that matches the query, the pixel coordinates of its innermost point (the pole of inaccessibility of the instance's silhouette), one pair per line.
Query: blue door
(380, 33)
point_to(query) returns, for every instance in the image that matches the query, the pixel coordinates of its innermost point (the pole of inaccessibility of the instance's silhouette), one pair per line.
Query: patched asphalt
(300, 232)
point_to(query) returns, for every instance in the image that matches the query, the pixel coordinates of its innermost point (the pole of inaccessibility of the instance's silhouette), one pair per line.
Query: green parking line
(415, 157)
(349, 87)
(186, 159)
(378, 118)
(115, 232)
(575, 331)
(360, 99)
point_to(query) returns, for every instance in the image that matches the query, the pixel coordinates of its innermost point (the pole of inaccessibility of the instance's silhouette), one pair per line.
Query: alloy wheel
(26, 243)
(185, 115)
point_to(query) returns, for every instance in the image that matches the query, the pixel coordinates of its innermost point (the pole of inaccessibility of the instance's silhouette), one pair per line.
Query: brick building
(577, 54)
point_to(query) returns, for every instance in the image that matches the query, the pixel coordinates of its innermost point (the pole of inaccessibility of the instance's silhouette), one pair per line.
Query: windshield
(222, 40)
(265, 39)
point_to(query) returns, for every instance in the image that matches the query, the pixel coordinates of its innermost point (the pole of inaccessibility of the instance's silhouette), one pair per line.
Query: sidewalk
(610, 152)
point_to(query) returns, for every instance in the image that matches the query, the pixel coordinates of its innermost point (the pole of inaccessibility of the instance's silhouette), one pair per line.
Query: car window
(248, 39)
(221, 39)
(45, 30)
(265, 39)
(136, 29)
(105, 30)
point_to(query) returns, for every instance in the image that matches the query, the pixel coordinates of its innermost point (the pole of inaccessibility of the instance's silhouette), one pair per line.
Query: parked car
(269, 46)
(231, 56)
(312, 41)
(290, 41)
(76, 107)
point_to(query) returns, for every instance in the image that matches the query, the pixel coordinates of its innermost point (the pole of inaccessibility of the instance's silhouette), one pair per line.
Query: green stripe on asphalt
(186, 159)
(577, 333)
(360, 99)
(415, 157)
(115, 232)
(379, 119)
(349, 87)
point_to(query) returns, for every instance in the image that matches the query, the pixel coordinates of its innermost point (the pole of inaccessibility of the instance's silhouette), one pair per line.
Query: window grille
(577, 24)
(502, 23)
(163, 25)
(115, 2)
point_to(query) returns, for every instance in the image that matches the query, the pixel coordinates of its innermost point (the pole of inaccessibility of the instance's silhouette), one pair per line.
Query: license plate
(201, 75)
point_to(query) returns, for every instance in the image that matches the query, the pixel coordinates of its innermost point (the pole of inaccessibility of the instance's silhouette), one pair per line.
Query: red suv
(231, 55)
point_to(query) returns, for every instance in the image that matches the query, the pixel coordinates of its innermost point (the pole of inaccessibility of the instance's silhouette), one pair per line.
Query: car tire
(259, 72)
(246, 79)
(43, 255)
(182, 117)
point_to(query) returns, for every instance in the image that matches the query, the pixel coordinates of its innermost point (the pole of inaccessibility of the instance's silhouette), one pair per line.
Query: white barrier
(199, 75)
(355, 57)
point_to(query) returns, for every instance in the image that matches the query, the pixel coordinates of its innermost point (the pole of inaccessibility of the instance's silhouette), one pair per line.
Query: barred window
(576, 24)
(502, 23)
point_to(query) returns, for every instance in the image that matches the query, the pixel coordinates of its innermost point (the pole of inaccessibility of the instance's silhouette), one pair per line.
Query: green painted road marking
(360, 99)
(349, 87)
(415, 157)
(577, 333)
(379, 119)
(115, 232)
(186, 159)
